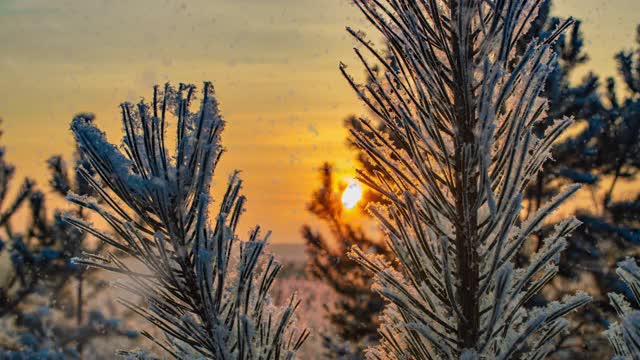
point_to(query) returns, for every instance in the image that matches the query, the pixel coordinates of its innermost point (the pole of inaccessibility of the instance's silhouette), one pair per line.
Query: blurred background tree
(354, 314)
(610, 230)
(44, 296)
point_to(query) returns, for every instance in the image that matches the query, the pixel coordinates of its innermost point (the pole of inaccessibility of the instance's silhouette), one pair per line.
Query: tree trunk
(468, 269)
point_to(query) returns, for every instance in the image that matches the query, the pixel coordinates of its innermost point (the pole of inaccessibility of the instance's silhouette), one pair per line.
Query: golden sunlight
(352, 194)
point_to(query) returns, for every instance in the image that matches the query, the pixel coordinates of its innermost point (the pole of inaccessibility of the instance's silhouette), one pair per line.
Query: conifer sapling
(466, 103)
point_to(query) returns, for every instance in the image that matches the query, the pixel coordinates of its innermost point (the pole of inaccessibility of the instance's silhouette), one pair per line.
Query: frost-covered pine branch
(464, 102)
(205, 290)
(625, 335)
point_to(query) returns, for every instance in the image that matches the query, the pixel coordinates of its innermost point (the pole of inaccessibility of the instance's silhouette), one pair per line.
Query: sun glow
(352, 194)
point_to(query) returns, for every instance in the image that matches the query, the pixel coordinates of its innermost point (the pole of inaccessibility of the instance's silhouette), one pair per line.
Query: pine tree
(574, 163)
(355, 313)
(467, 106)
(43, 296)
(606, 147)
(618, 144)
(574, 155)
(611, 228)
(202, 288)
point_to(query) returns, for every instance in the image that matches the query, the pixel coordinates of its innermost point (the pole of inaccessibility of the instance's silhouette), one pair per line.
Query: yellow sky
(274, 64)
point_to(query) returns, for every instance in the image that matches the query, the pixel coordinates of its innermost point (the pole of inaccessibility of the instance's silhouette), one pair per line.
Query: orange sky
(274, 65)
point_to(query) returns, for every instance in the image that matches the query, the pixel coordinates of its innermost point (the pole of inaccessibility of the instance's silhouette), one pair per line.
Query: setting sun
(352, 194)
